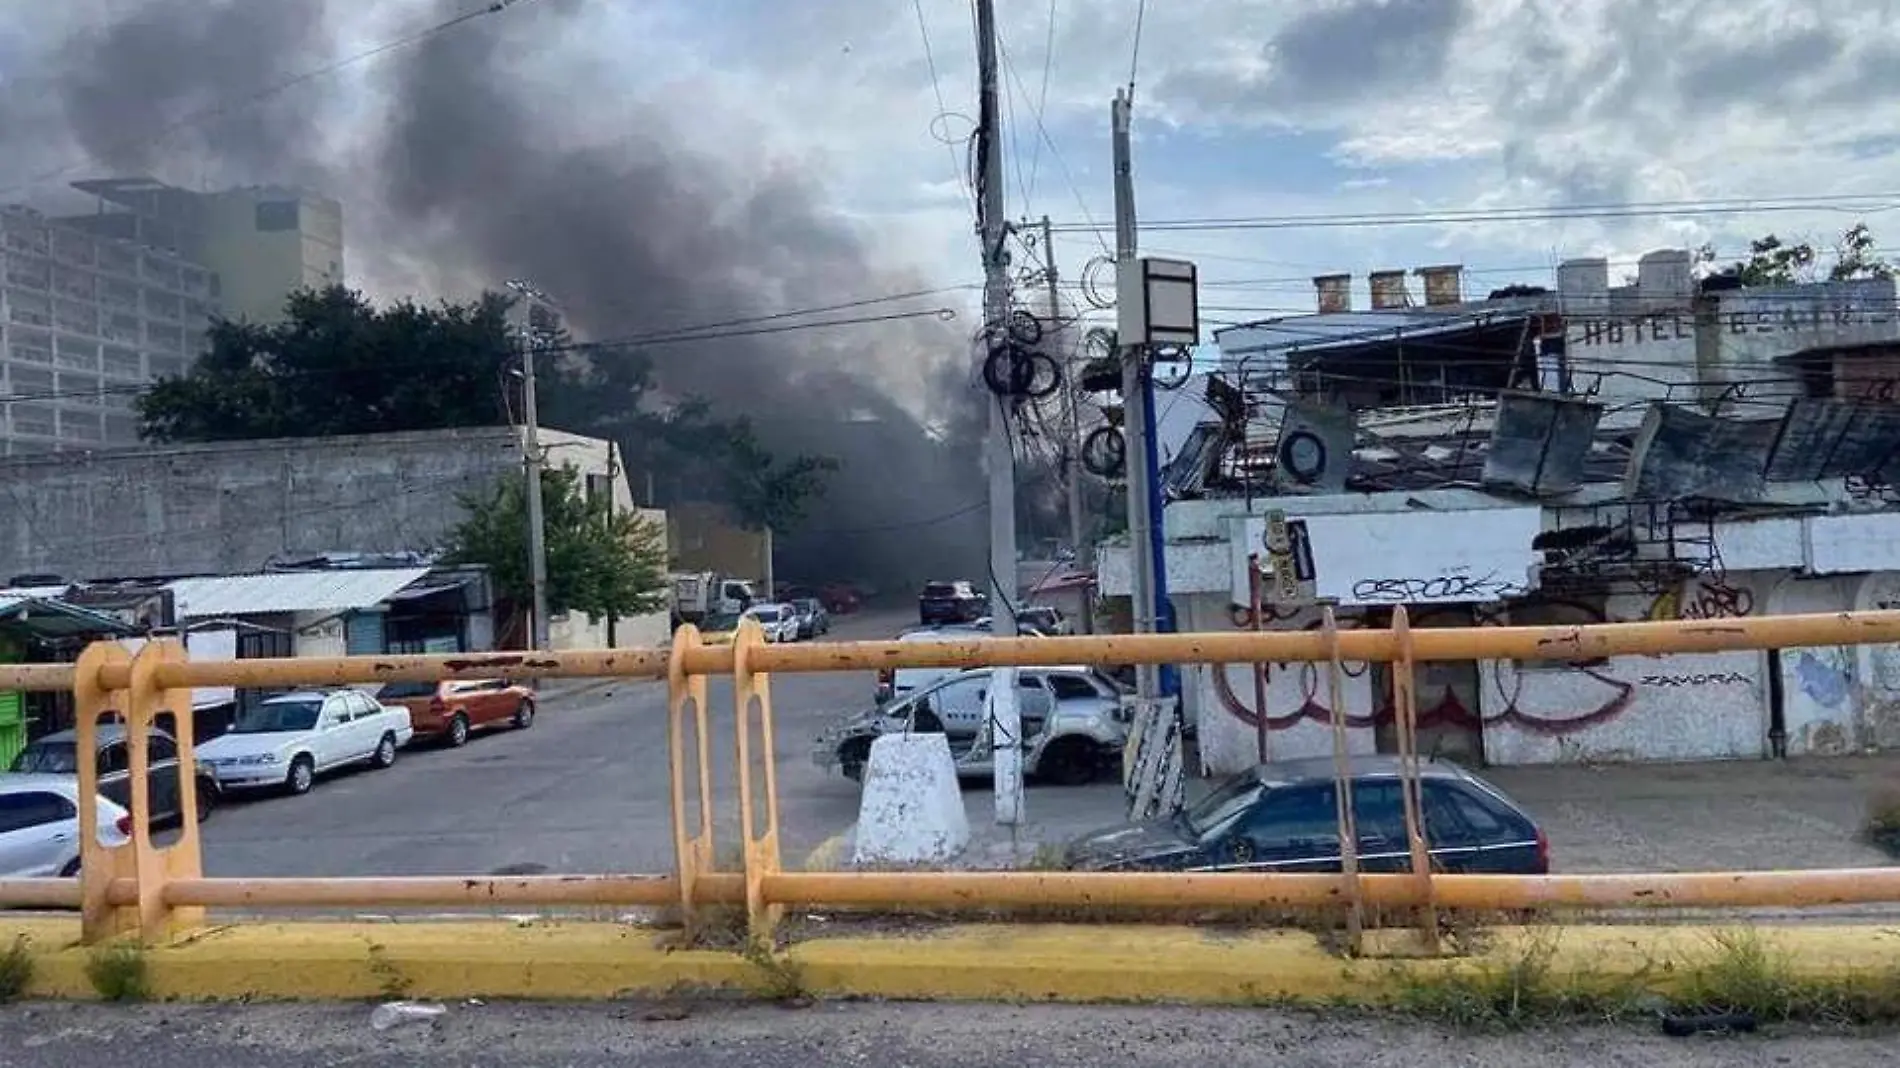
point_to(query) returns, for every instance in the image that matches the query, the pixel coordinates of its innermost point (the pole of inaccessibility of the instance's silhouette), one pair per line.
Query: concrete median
(1055, 963)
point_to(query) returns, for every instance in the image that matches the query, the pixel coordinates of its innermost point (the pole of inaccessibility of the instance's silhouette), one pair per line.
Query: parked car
(1073, 724)
(39, 825)
(1282, 817)
(893, 683)
(813, 620)
(289, 739)
(840, 600)
(949, 602)
(448, 711)
(779, 621)
(58, 754)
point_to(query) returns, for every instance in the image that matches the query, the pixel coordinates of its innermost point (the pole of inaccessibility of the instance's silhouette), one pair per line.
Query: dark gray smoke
(471, 173)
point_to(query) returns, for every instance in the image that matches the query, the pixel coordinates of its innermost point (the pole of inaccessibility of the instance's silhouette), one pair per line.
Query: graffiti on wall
(1445, 709)
(1826, 682)
(1704, 598)
(1720, 678)
(1454, 587)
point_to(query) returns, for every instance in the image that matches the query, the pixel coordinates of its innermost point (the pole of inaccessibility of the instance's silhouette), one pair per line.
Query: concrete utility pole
(993, 231)
(1072, 449)
(1134, 400)
(531, 448)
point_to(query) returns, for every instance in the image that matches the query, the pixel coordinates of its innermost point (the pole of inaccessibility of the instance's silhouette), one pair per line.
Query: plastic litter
(393, 1013)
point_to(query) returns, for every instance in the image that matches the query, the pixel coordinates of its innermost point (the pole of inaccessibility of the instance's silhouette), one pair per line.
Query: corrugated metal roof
(57, 619)
(43, 592)
(1369, 327)
(337, 590)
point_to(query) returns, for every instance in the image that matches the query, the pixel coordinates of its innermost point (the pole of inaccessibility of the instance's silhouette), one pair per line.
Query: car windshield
(940, 589)
(397, 690)
(766, 615)
(273, 716)
(1228, 800)
(56, 758)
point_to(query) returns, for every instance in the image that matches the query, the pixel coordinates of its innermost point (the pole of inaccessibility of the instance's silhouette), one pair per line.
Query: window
(159, 270)
(69, 282)
(277, 216)
(1378, 810)
(396, 691)
(600, 487)
(163, 304)
(1467, 816)
(73, 246)
(31, 272)
(360, 705)
(35, 419)
(30, 381)
(166, 366)
(80, 426)
(1294, 816)
(47, 758)
(35, 808)
(78, 355)
(113, 759)
(1072, 687)
(30, 308)
(159, 748)
(124, 363)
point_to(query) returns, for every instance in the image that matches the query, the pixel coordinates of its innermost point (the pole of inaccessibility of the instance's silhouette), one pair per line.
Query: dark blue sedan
(1284, 817)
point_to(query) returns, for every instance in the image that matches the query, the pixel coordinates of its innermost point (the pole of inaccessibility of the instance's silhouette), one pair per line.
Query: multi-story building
(85, 321)
(95, 307)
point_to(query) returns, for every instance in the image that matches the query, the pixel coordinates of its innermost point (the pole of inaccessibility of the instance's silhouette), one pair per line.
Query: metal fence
(157, 892)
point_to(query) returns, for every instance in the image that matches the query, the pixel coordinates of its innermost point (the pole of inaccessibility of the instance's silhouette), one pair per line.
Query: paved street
(585, 791)
(919, 1036)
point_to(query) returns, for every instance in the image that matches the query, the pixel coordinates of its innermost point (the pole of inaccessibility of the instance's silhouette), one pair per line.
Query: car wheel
(303, 775)
(458, 731)
(207, 799)
(385, 756)
(1067, 763)
(524, 716)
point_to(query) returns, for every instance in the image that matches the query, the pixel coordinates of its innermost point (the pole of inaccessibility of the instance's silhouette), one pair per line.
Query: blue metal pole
(1169, 677)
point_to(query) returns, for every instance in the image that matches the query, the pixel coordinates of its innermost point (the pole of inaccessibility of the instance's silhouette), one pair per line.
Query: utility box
(1157, 302)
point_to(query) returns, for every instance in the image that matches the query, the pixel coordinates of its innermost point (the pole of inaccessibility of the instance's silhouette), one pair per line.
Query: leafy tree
(338, 365)
(695, 454)
(1772, 261)
(600, 561)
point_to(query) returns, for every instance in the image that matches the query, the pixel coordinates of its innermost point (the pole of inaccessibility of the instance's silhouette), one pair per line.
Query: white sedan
(780, 621)
(288, 739)
(39, 825)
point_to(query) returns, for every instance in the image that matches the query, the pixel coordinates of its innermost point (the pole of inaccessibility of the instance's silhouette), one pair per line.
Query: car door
(1293, 828)
(332, 742)
(161, 762)
(495, 701)
(1378, 810)
(115, 773)
(366, 724)
(1471, 833)
(38, 831)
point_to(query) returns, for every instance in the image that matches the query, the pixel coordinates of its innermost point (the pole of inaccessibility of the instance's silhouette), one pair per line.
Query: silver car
(1074, 724)
(39, 825)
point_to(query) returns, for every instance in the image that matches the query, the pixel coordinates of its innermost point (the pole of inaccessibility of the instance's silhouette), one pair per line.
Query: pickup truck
(287, 740)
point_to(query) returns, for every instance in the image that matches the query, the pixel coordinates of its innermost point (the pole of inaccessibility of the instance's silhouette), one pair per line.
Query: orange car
(447, 711)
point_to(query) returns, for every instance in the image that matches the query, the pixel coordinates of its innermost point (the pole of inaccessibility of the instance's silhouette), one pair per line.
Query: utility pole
(993, 230)
(531, 448)
(1072, 449)
(1134, 399)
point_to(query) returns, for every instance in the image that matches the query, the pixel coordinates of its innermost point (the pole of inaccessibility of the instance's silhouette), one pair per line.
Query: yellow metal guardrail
(155, 893)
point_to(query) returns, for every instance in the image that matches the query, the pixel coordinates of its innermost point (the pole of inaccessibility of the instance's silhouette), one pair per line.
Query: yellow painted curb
(316, 960)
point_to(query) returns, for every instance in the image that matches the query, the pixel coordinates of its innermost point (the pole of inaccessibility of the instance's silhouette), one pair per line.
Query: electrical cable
(1840, 203)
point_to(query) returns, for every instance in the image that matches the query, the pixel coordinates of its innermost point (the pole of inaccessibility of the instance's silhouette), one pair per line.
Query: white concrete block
(912, 809)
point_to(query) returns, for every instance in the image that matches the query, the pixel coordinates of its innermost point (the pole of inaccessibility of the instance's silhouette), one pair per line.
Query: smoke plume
(468, 175)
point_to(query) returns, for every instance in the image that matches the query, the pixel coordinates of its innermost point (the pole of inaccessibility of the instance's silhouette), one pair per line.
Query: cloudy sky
(1245, 109)
(1272, 107)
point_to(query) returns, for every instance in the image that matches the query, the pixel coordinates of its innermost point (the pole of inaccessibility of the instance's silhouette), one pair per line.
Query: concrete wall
(234, 508)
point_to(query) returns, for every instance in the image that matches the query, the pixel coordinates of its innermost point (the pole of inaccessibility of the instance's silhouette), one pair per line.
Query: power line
(217, 111)
(904, 525)
(1042, 97)
(1134, 56)
(1842, 202)
(943, 108)
(1009, 64)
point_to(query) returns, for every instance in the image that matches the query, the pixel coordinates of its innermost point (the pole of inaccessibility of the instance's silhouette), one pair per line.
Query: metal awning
(339, 590)
(49, 619)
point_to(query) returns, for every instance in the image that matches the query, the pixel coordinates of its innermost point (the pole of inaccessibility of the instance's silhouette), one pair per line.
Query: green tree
(338, 365)
(600, 561)
(1773, 261)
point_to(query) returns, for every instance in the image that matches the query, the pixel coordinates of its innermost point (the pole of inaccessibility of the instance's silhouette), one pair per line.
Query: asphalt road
(584, 790)
(890, 1036)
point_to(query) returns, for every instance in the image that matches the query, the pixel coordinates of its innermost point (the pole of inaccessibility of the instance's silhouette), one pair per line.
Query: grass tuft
(118, 972)
(16, 970)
